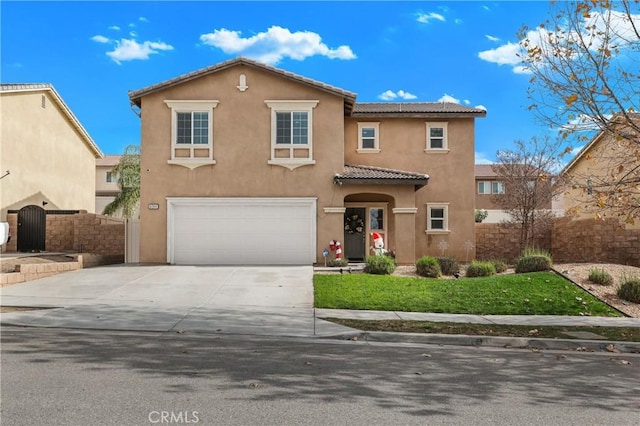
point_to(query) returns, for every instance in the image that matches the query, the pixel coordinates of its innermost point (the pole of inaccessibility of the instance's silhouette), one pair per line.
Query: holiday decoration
(353, 224)
(336, 246)
(378, 243)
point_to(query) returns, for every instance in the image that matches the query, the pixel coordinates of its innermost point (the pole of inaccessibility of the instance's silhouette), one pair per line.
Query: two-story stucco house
(245, 163)
(106, 181)
(49, 155)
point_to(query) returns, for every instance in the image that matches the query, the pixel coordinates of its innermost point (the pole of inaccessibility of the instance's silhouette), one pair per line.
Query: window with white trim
(191, 132)
(438, 217)
(368, 137)
(484, 187)
(291, 133)
(497, 187)
(112, 177)
(437, 137)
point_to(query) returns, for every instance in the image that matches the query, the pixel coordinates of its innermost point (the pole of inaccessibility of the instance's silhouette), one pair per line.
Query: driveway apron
(253, 300)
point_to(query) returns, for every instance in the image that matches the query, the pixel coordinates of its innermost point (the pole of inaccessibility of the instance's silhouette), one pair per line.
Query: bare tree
(128, 172)
(585, 66)
(528, 175)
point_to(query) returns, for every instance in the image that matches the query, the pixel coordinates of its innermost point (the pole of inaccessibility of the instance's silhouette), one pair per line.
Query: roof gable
(136, 95)
(48, 88)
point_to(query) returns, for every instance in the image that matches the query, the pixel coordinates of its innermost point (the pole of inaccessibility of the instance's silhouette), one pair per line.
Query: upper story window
(112, 177)
(484, 187)
(368, 137)
(437, 137)
(437, 217)
(497, 187)
(291, 133)
(192, 132)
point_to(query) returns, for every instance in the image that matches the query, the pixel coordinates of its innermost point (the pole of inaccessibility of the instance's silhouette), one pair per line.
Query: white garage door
(248, 231)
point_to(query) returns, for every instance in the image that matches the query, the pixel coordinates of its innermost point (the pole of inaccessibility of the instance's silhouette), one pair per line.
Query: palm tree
(128, 172)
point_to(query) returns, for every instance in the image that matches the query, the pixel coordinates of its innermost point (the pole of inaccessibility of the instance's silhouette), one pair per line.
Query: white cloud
(275, 44)
(143, 19)
(492, 38)
(593, 30)
(583, 123)
(448, 98)
(390, 95)
(133, 34)
(128, 50)
(502, 55)
(424, 18)
(114, 27)
(481, 158)
(482, 107)
(485, 7)
(100, 39)
(458, 21)
(466, 101)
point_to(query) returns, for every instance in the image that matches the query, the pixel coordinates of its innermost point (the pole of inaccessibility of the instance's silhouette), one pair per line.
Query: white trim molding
(292, 160)
(376, 137)
(405, 210)
(190, 106)
(339, 210)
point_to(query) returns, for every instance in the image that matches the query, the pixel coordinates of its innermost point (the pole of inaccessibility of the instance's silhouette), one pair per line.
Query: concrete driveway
(254, 300)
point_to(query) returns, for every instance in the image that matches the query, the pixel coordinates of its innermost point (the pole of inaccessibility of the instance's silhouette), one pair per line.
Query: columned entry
(359, 222)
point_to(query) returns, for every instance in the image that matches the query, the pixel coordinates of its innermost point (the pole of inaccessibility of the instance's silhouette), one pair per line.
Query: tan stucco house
(589, 172)
(245, 163)
(106, 181)
(49, 156)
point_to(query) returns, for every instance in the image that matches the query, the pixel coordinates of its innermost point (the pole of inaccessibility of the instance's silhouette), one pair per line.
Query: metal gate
(32, 224)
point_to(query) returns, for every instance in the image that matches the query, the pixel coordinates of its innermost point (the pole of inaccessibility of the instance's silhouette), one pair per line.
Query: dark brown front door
(354, 233)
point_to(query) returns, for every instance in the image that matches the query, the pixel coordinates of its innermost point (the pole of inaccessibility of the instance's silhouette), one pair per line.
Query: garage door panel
(242, 231)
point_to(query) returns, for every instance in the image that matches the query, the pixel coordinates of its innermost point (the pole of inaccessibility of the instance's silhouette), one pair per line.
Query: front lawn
(538, 293)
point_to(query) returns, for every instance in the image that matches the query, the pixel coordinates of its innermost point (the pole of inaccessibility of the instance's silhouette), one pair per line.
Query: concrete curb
(497, 342)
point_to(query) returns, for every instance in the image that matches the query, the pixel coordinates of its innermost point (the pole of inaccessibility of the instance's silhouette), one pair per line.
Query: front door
(354, 233)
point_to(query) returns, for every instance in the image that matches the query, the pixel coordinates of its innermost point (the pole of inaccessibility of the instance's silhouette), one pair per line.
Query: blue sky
(95, 52)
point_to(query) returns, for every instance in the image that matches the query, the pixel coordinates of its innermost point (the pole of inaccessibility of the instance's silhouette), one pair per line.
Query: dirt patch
(579, 273)
(9, 265)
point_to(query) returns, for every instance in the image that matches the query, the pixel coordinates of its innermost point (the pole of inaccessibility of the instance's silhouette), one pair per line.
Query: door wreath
(353, 224)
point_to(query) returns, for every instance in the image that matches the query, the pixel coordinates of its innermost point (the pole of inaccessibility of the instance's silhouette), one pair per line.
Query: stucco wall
(402, 146)
(47, 158)
(241, 149)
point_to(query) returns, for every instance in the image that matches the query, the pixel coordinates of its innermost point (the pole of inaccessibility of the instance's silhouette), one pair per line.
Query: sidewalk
(533, 320)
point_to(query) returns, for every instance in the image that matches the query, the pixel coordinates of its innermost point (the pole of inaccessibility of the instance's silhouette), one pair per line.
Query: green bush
(338, 263)
(480, 269)
(481, 215)
(600, 276)
(448, 265)
(630, 289)
(380, 265)
(499, 264)
(428, 267)
(534, 260)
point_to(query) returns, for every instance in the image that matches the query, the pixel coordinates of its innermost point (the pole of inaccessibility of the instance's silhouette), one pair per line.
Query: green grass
(536, 293)
(622, 334)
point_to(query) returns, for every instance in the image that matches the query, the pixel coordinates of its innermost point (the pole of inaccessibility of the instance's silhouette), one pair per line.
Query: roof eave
(417, 183)
(419, 114)
(136, 95)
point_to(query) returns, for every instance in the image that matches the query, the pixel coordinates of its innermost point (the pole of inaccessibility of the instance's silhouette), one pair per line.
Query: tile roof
(379, 175)
(47, 87)
(136, 95)
(108, 160)
(415, 108)
(484, 170)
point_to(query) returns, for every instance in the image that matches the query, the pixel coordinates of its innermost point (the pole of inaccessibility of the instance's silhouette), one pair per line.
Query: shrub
(380, 265)
(480, 269)
(481, 215)
(630, 289)
(448, 265)
(338, 263)
(600, 276)
(534, 260)
(428, 266)
(499, 264)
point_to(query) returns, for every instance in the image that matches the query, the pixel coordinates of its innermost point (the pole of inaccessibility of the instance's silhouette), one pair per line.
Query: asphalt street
(81, 377)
